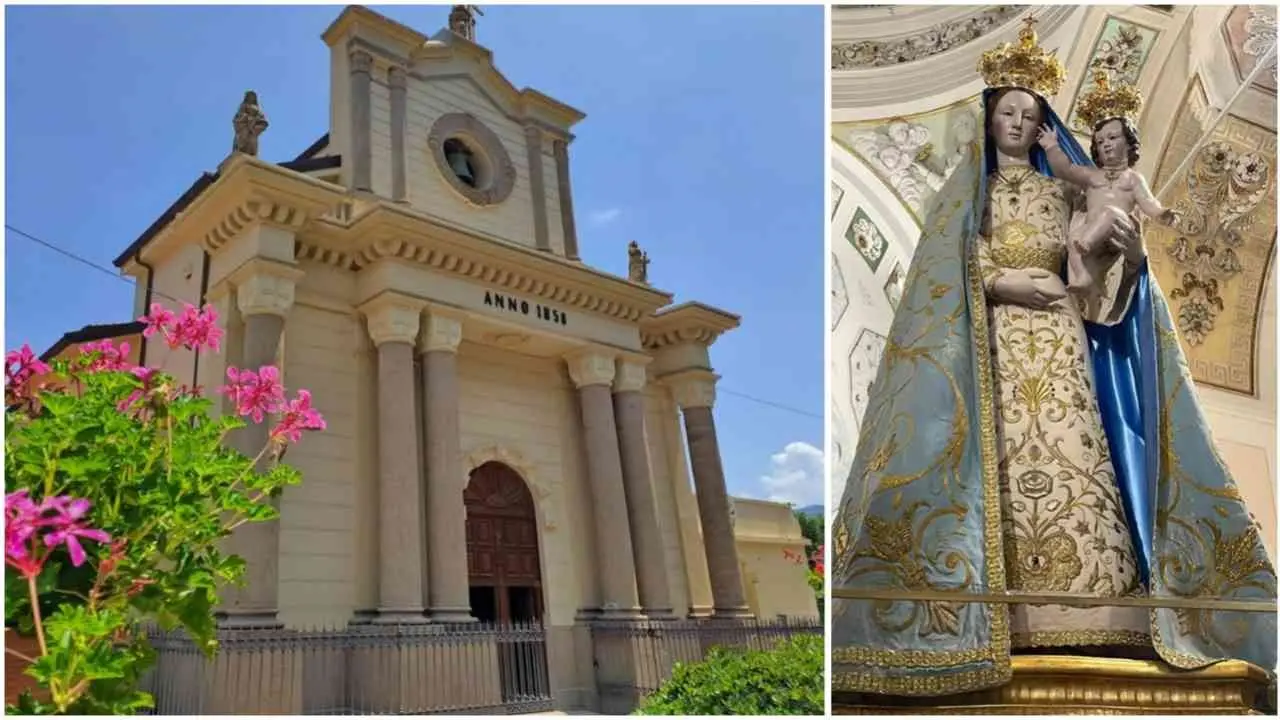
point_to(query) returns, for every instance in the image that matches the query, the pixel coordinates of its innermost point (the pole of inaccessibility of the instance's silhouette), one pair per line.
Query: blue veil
(921, 509)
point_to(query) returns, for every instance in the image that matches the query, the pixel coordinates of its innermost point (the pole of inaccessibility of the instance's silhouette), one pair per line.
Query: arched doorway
(502, 546)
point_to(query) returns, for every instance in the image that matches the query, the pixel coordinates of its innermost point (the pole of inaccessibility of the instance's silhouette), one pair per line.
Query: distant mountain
(812, 510)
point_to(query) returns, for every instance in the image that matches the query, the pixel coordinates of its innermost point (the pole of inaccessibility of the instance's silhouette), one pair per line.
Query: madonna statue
(1020, 440)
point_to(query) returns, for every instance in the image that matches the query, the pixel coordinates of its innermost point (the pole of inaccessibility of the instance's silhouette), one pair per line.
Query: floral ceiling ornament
(1120, 54)
(1226, 188)
(916, 156)
(867, 239)
(1260, 28)
(937, 39)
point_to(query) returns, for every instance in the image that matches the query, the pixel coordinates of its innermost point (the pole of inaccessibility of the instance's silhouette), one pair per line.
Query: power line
(104, 269)
(770, 403)
(83, 260)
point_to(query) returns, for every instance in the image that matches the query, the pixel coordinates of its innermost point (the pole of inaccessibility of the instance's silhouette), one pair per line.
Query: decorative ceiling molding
(941, 78)
(939, 38)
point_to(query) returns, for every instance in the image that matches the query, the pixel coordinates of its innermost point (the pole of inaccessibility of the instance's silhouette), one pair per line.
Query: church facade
(513, 437)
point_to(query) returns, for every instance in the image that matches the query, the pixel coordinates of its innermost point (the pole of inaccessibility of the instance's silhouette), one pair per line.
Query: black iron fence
(358, 670)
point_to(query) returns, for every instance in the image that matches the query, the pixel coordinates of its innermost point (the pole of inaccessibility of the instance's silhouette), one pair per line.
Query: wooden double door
(502, 546)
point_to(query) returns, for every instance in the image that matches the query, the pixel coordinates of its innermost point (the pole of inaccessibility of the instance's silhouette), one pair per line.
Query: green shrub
(787, 680)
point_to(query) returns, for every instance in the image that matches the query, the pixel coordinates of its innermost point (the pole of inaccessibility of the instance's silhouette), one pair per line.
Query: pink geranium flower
(147, 376)
(256, 394)
(107, 357)
(20, 366)
(25, 520)
(69, 527)
(298, 416)
(198, 329)
(193, 329)
(158, 321)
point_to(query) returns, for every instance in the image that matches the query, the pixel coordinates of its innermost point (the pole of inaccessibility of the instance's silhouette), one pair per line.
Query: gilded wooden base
(1078, 685)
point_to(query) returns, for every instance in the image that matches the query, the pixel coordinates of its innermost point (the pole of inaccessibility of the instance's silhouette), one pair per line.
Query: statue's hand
(1048, 137)
(1126, 238)
(1034, 288)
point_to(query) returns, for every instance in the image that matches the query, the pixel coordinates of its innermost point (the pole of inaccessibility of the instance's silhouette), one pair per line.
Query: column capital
(396, 77)
(361, 61)
(441, 330)
(693, 388)
(591, 367)
(393, 318)
(265, 287)
(631, 375)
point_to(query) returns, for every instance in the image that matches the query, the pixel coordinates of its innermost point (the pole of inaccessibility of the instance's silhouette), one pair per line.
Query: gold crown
(1024, 65)
(1104, 102)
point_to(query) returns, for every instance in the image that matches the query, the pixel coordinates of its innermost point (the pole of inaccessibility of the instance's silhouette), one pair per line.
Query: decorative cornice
(389, 230)
(441, 330)
(248, 192)
(393, 318)
(687, 322)
(631, 376)
(693, 388)
(591, 367)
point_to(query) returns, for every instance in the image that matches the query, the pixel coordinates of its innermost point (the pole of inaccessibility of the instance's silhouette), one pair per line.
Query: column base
(248, 619)
(363, 617)
(660, 613)
(399, 616)
(736, 613)
(633, 613)
(452, 615)
(700, 611)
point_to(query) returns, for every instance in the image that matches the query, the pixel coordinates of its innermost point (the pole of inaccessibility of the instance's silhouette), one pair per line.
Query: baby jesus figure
(1112, 191)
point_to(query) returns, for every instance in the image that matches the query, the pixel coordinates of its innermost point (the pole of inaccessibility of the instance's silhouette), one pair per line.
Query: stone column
(533, 142)
(264, 300)
(565, 191)
(361, 120)
(592, 373)
(646, 536)
(695, 392)
(450, 591)
(393, 327)
(397, 82)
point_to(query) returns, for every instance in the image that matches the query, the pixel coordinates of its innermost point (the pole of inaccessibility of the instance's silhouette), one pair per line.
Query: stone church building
(513, 436)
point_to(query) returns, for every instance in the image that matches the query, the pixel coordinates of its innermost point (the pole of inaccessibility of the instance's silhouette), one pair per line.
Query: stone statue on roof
(249, 123)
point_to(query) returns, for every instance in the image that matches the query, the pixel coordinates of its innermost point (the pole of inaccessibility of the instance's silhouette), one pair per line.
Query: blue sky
(703, 142)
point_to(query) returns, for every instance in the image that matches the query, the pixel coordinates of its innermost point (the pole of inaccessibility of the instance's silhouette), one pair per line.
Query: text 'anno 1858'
(524, 307)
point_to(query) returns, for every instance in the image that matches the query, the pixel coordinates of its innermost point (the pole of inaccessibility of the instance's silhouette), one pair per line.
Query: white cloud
(604, 217)
(796, 475)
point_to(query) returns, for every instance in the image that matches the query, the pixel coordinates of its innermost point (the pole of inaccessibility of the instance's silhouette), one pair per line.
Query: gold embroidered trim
(1068, 638)
(1022, 258)
(992, 660)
